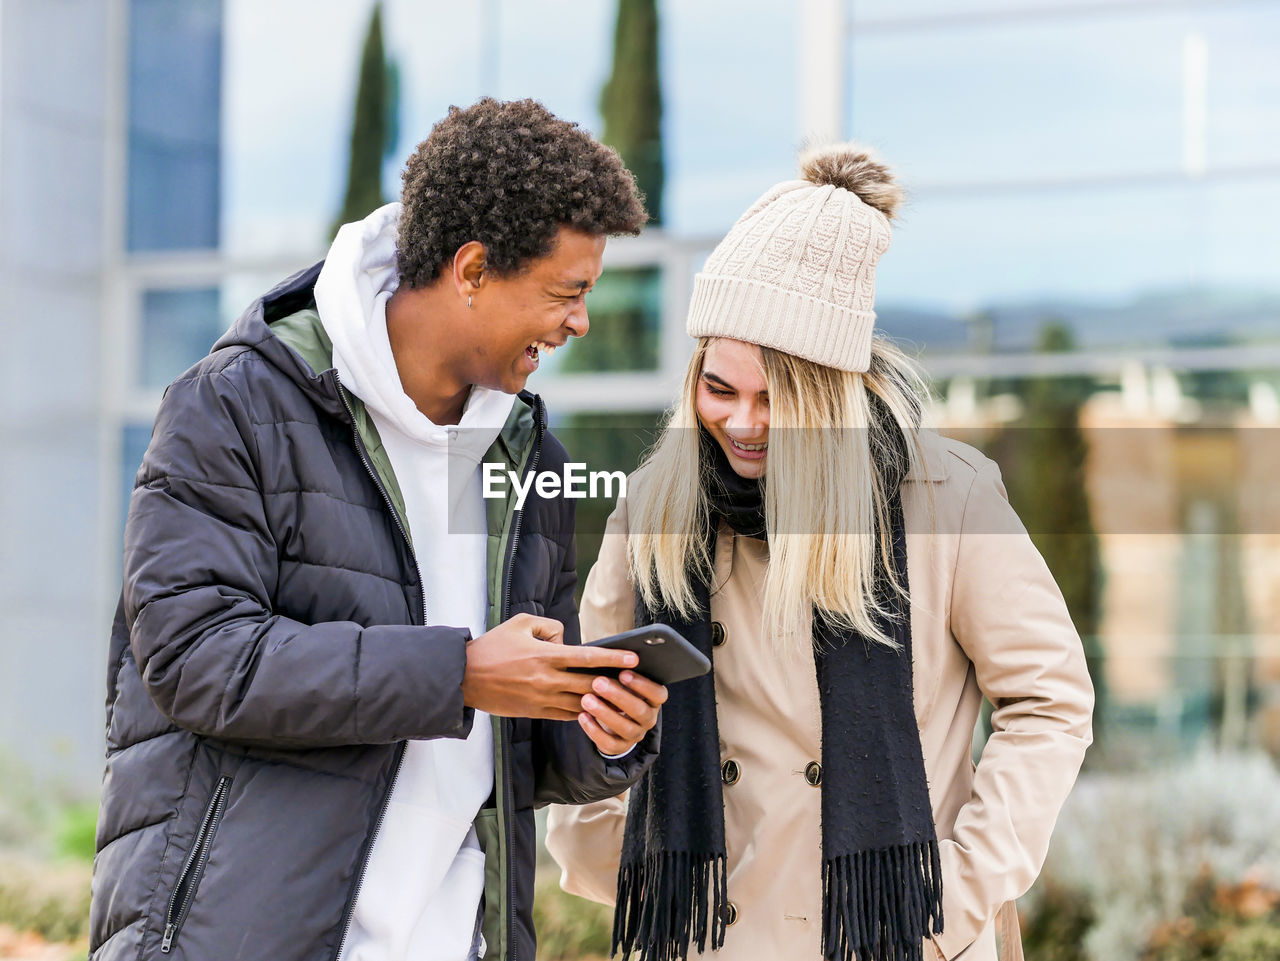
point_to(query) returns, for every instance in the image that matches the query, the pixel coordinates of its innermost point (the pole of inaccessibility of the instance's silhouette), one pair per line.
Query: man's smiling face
(517, 319)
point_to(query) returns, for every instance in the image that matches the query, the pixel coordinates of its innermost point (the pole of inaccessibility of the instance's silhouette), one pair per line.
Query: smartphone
(665, 655)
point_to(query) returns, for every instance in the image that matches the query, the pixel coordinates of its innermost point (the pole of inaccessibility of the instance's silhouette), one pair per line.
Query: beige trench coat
(986, 617)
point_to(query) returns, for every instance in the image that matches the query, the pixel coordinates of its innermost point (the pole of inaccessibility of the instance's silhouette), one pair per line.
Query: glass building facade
(1106, 168)
(1103, 170)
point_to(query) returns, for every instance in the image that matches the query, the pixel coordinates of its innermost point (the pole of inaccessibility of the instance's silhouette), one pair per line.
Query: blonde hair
(826, 505)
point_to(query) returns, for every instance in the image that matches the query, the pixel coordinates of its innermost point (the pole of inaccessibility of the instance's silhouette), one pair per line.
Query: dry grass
(569, 928)
(18, 945)
(47, 901)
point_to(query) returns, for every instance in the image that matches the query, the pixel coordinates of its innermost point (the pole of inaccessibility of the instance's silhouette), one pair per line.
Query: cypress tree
(625, 305)
(1046, 485)
(627, 302)
(631, 101)
(372, 127)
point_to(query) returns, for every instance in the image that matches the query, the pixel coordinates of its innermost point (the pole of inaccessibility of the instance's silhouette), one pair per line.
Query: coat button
(730, 772)
(813, 773)
(730, 911)
(717, 634)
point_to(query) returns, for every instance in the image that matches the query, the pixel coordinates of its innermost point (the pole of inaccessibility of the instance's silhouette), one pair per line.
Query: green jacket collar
(304, 333)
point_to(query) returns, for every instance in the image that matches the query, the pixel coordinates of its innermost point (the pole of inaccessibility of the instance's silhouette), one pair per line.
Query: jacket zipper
(507, 791)
(395, 774)
(506, 602)
(519, 514)
(185, 889)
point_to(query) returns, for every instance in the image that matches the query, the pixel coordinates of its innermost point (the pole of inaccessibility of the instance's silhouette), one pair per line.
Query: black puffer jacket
(268, 661)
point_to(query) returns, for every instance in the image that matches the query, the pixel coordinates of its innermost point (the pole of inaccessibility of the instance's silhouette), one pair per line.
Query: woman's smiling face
(733, 404)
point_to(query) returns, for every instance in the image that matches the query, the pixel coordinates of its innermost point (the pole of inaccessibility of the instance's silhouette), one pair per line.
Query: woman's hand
(617, 714)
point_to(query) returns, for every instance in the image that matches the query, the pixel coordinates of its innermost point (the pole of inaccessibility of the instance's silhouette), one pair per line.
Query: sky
(1043, 155)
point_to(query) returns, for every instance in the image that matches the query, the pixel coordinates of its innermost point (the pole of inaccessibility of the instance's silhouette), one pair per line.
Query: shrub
(21, 807)
(1222, 922)
(1138, 845)
(51, 901)
(569, 928)
(1055, 922)
(74, 833)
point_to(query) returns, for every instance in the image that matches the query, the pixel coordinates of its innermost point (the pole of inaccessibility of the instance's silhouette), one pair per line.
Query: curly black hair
(508, 174)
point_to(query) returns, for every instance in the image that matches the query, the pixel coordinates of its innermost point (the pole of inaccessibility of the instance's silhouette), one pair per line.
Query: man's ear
(468, 269)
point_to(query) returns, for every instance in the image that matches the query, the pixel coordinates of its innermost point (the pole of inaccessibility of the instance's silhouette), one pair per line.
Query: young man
(339, 678)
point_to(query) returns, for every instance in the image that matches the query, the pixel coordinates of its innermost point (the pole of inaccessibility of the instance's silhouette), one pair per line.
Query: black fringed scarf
(881, 878)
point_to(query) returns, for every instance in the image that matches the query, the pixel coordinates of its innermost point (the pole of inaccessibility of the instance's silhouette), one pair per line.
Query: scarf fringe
(667, 901)
(880, 905)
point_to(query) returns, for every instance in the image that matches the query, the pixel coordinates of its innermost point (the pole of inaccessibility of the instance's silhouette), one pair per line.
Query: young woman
(859, 584)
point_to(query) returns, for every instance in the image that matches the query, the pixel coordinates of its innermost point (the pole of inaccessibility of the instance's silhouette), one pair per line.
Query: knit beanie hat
(797, 272)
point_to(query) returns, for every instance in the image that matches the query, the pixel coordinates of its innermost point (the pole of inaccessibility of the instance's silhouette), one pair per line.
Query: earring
(468, 303)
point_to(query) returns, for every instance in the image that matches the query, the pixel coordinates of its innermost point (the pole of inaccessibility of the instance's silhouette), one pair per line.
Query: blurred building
(1184, 499)
(110, 152)
(1105, 166)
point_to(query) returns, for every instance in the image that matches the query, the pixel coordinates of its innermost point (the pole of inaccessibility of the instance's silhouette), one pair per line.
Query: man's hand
(520, 669)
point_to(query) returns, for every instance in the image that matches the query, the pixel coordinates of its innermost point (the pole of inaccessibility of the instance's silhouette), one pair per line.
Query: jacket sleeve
(569, 768)
(200, 569)
(1010, 618)
(586, 840)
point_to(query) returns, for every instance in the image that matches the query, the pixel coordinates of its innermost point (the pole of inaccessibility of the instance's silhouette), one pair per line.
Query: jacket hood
(284, 328)
(355, 284)
(305, 354)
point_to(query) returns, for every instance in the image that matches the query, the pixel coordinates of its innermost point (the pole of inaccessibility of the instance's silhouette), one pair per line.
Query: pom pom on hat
(854, 168)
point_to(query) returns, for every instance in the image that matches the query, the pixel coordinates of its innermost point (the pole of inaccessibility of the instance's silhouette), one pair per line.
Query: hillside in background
(1183, 318)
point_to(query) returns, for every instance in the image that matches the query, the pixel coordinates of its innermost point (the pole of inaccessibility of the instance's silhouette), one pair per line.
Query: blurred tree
(631, 101)
(374, 127)
(604, 442)
(1046, 453)
(625, 306)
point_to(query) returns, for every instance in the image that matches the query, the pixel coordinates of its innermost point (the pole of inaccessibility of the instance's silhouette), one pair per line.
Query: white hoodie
(421, 891)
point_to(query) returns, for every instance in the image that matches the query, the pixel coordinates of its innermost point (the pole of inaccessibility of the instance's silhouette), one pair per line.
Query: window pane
(1072, 97)
(729, 121)
(175, 81)
(1242, 85)
(1028, 100)
(178, 328)
(895, 10)
(1179, 264)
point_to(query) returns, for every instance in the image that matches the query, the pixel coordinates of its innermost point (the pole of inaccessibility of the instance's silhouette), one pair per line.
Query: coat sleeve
(1010, 618)
(586, 841)
(200, 569)
(569, 768)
